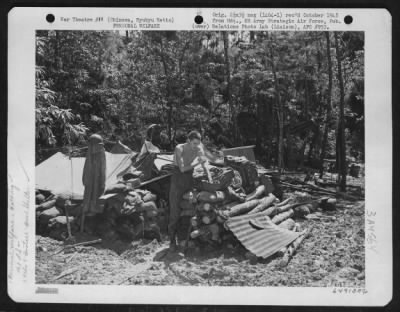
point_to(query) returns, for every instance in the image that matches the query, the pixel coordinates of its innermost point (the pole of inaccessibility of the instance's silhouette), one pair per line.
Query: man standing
(187, 156)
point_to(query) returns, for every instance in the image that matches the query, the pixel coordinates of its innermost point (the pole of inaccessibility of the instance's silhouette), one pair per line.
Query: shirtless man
(187, 156)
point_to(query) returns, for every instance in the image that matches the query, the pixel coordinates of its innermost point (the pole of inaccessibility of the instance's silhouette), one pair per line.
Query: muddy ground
(333, 254)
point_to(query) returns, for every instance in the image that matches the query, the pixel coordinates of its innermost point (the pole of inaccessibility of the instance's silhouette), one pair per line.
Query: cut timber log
(293, 247)
(282, 216)
(242, 208)
(96, 241)
(302, 188)
(271, 211)
(319, 190)
(288, 224)
(65, 273)
(257, 193)
(230, 205)
(280, 209)
(264, 204)
(284, 250)
(285, 202)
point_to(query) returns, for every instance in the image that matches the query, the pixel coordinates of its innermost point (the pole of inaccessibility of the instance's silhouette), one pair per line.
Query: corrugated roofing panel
(262, 242)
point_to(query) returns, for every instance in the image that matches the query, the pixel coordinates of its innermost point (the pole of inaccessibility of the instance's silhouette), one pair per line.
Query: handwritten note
(370, 227)
(19, 197)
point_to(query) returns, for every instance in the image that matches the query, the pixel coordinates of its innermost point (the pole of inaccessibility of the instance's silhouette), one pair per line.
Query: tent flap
(63, 176)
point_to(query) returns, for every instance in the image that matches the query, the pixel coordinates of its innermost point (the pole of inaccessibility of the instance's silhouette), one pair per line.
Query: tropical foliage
(278, 90)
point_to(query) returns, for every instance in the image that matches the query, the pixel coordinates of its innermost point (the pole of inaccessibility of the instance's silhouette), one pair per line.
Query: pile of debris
(126, 213)
(245, 206)
(233, 203)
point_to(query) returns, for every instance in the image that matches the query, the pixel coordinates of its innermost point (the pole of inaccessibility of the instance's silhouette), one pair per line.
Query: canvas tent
(63, 176)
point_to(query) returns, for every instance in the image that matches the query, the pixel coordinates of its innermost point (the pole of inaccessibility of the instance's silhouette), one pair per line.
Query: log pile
(210, 209)
(219, 194)
(126, 214)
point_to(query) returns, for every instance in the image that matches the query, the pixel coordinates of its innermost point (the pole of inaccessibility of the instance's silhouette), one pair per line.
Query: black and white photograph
(191, 156)
(200, 158)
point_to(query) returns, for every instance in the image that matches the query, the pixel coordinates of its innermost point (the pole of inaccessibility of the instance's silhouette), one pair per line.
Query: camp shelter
(62, 175)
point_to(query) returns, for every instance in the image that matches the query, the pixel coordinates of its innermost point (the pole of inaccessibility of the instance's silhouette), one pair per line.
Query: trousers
(181, 182)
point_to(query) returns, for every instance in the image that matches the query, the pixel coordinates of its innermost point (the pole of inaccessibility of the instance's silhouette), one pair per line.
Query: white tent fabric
(63, 176)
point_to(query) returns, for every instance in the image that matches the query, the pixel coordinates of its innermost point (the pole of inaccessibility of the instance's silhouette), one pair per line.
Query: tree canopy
(278, 90)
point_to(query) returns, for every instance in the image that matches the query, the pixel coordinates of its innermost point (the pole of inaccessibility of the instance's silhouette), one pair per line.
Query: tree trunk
(340, 139)
(228, 72)
(279, 111)
(329, 106)
(168, 93)
(302, 150)
(252, 37)
(259, 132)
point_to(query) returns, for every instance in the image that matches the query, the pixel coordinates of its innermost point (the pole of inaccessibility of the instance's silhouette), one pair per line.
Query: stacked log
(211, 209)
(292, 248)
(127, 214)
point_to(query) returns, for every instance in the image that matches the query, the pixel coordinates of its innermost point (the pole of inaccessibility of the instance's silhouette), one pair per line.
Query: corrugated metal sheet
(262, 242)
(62, 175)
(247, 151)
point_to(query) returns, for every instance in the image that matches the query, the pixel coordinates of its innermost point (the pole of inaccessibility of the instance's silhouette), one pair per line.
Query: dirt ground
(333, 254)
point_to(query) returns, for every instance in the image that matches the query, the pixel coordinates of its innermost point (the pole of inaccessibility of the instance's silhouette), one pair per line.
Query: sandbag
(133, 183)
(39, 199)
(46, 205)
(149, 197)
(116, 188)
(149, 208)
(131, 203)
(48, 214)
(61, 200)
(60, 221)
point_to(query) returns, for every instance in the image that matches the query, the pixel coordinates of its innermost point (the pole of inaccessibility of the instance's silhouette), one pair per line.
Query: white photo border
(22, 26)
